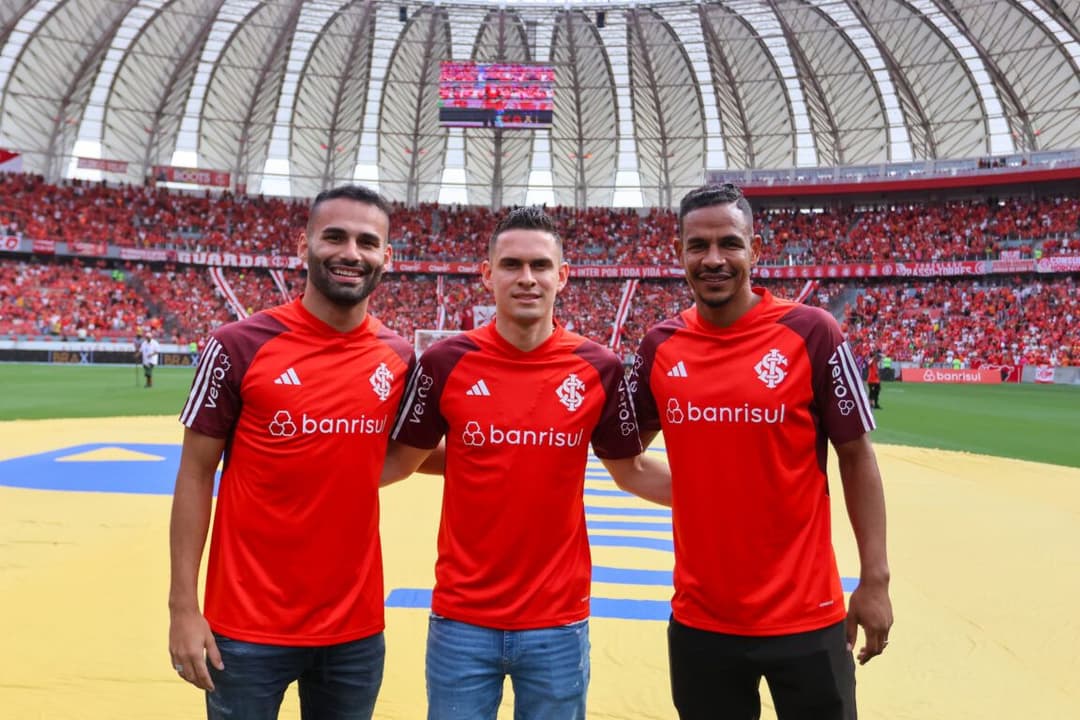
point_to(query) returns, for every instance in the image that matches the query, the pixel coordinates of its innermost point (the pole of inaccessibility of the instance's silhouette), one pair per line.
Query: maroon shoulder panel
(648, 417)
(419, 422)
(213, 404)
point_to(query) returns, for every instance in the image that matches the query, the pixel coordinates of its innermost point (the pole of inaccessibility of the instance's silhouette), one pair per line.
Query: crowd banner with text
(1047, 374)
(193, 176)
(982, 376)
(110, 166)
(87, 248)
(762, 273)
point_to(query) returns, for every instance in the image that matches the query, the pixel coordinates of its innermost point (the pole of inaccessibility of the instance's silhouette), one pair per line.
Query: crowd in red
(994, 320)
(155, 217)
(71, 300)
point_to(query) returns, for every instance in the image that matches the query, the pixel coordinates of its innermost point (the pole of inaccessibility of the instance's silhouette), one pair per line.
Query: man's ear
(302, 245)
(564, 275)
(485, 274)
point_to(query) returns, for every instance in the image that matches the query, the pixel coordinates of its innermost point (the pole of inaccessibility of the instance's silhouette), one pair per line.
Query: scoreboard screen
(496, 95)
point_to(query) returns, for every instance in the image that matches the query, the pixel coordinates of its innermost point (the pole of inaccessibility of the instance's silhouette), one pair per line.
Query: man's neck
(341, 318)
(525, 337)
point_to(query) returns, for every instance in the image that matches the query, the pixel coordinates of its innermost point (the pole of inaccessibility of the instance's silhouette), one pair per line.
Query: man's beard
(345, 295)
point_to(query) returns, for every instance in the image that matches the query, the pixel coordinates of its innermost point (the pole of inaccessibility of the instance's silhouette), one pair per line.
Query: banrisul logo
(477, 435)
(285, 425)
(678, 413)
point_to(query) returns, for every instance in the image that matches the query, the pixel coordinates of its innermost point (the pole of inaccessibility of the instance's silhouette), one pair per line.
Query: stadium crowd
(1003, 319)
(156, 217)
(995, 320)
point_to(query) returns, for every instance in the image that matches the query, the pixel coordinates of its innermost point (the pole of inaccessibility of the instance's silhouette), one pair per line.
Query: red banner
(948, 375)
(1056, 264)
(1009, 373)
(147, 255)
(1060, 263)
(90, 249)
(109, 166)
(194, 176)
(214, 259)
(1016, 265)
(583, 271)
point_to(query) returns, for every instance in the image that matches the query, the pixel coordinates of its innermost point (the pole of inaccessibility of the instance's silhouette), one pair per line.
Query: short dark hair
(716, 194)
(530, 217)
(359, 193)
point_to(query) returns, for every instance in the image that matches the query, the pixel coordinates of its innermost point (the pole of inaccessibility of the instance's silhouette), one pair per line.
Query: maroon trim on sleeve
(616, 433)
(213, 405)
(648, 417)
(420, 422)
(840, 406)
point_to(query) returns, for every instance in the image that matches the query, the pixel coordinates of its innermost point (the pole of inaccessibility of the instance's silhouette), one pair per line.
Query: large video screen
(496, 95)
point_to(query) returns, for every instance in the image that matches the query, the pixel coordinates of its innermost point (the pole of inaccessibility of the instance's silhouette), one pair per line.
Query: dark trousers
(714, 676)
(335, 682)
(875, 393)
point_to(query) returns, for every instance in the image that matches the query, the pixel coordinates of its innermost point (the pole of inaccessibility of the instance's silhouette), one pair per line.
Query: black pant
(714, 676)
(875, 393)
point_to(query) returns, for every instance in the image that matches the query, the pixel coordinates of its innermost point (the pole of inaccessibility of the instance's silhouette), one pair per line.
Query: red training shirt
(513, 550)
(306, 410)
(747, 412)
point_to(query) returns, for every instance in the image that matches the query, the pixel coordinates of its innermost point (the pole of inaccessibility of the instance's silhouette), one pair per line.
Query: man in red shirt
(299, 399)
(749, 390)
(873, 380)
(518, 401)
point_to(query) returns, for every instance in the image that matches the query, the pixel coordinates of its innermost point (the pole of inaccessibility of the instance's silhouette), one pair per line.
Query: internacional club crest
(572, 392)
(770, 369)
(380, 381)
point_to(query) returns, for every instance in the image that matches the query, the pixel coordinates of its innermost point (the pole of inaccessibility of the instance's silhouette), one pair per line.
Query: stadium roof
(292, 97)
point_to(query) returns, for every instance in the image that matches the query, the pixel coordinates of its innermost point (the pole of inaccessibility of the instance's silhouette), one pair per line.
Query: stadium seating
(148, 217)
(995, 319)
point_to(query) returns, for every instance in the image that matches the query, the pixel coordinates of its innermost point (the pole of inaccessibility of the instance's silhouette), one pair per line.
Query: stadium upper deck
(649, 98)
(94, 217)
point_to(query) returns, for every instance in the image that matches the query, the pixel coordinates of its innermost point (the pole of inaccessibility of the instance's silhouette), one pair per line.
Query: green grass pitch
(1029, 422)
(1026, 421)
(35, 392)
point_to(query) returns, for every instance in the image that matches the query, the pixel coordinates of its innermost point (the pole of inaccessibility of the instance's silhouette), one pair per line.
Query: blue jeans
(466, 664)
(336, 682)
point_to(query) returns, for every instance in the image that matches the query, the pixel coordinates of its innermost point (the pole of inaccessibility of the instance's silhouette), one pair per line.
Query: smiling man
(749, 390)
(518, 402)
(299, 399)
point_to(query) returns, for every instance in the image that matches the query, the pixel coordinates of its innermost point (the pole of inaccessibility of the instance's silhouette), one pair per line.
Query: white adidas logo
(679, 370)
(289, 377)
(479, 388)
